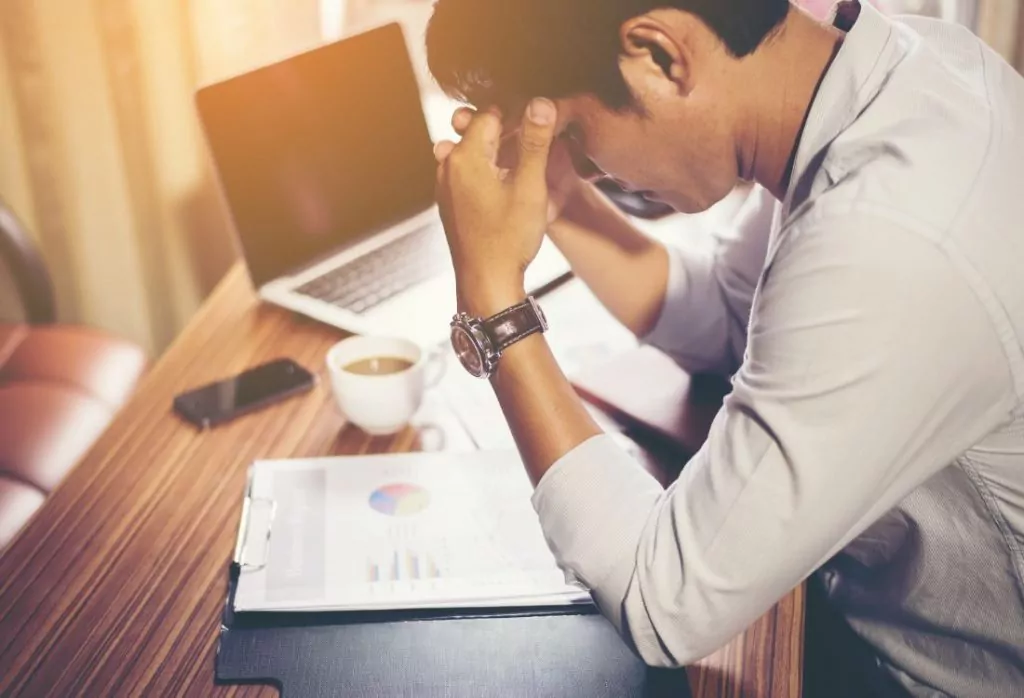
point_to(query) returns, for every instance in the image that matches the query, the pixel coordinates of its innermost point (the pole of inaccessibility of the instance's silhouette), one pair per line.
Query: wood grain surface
(116, 586)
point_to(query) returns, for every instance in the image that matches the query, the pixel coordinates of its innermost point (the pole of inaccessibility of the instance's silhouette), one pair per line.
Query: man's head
(647, 89)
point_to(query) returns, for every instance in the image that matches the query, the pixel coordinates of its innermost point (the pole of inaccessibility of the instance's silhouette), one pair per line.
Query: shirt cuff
(593, 505)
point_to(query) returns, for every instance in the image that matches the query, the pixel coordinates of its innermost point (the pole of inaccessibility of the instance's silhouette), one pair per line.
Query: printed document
(439, 530)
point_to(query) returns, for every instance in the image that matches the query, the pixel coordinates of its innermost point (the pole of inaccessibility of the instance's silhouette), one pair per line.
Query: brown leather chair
(60, 385)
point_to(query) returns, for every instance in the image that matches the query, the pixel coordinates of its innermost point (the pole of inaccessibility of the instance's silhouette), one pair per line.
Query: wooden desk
(117, 585)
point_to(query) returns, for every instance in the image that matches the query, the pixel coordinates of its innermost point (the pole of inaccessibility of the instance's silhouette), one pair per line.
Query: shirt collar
(851, 82)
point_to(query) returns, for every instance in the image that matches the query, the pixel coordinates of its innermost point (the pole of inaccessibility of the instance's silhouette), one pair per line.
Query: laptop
(325, 161)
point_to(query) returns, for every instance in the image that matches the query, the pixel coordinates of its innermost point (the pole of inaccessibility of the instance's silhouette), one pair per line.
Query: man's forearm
(626, 269)
(546, 417)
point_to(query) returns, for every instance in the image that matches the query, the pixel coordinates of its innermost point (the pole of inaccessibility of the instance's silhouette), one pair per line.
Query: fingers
(461, 119)
(442, 150)
(482, 137)
(535, 139)
(524, 150)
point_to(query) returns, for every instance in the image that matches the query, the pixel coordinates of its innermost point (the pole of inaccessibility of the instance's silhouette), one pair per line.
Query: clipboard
(558, 651)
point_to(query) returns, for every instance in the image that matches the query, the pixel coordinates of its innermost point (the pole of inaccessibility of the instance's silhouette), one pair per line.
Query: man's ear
(658, 48)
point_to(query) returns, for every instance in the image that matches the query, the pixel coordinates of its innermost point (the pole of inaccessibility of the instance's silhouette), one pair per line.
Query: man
(872, 318)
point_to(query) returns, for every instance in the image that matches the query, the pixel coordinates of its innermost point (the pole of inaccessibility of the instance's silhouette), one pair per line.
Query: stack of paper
(395, 531)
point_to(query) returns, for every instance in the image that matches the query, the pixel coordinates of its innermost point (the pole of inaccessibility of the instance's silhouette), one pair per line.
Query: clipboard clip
(254, 532)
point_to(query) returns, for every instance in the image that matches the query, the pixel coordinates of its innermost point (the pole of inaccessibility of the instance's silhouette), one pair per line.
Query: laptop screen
(320, 150)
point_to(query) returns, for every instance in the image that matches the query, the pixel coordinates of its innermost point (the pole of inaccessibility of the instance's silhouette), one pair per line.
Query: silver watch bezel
(481, 341)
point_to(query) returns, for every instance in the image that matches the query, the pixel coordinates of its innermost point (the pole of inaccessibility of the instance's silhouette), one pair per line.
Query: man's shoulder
(933, 137)
(882, 247)
(919, 158)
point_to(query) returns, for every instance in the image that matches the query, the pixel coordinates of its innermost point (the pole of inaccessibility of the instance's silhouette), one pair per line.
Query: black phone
(250, 390)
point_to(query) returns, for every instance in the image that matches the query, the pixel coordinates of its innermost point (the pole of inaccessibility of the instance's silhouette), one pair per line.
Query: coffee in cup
(379, 383)
(379, 366)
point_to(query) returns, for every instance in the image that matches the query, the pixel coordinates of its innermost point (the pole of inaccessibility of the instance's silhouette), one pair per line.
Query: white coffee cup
(381, 403)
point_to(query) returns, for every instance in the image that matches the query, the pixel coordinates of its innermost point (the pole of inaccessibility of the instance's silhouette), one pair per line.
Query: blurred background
(102, 159)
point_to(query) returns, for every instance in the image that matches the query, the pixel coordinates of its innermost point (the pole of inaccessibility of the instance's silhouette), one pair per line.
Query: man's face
(672, 150)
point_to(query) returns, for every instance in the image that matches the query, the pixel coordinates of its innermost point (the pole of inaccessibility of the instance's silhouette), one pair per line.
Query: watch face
(467, 351)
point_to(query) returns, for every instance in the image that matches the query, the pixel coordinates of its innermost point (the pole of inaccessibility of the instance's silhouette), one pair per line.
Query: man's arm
(857, 387)
(690, 304)
(626, 269)
(860, 385)
(652, 290)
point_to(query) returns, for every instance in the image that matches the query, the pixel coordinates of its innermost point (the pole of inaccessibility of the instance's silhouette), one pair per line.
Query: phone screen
(249, 390)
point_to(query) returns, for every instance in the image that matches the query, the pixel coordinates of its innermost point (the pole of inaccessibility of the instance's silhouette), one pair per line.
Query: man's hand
(563, 181)
(495, 218)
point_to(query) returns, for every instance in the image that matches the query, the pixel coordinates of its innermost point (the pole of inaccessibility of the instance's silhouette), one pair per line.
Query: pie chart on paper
(400, 499)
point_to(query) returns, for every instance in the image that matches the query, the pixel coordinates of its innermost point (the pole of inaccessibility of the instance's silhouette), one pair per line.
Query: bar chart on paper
(402, 566)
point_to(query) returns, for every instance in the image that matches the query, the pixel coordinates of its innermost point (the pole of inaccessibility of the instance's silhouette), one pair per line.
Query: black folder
(472, 653)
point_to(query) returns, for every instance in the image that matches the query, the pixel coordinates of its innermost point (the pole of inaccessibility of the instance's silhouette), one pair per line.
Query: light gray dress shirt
(875, 431)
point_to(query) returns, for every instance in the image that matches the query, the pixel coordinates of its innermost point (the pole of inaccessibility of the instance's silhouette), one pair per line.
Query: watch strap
(515, 324)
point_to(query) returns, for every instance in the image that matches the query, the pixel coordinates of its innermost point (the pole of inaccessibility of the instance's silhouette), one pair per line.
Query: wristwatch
(480, 343)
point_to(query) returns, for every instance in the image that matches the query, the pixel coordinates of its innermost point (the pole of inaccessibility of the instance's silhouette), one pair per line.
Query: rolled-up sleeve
(703, 320)
(871, 365)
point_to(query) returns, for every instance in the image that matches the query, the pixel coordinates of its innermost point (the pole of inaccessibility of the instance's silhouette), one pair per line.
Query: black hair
(492, 51)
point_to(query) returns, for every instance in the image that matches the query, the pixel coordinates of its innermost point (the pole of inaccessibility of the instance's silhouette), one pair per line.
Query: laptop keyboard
(366, 282)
